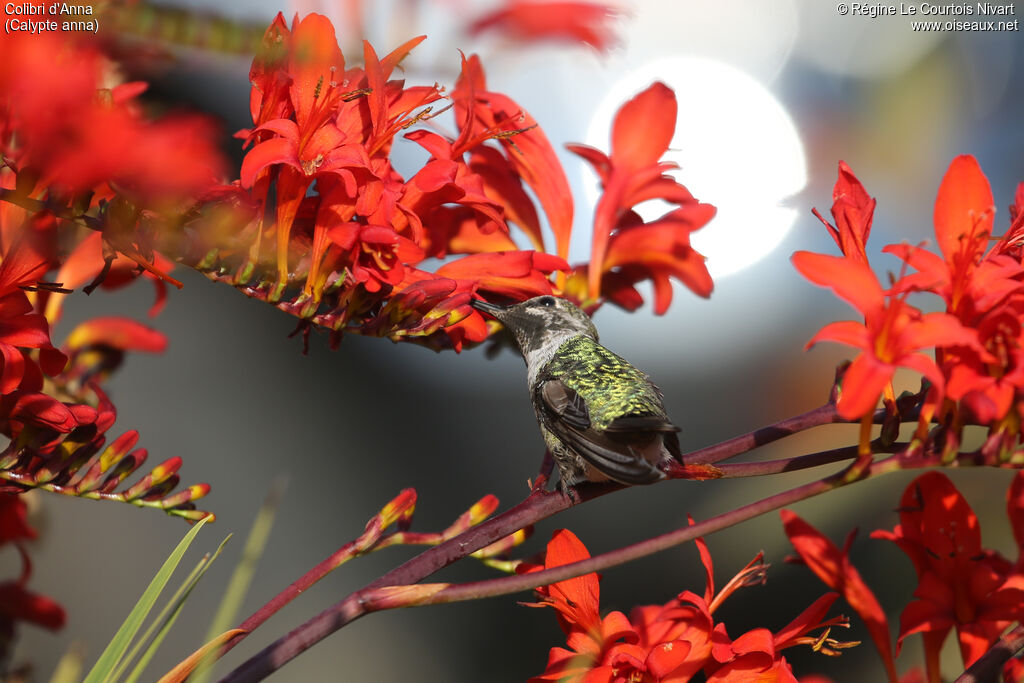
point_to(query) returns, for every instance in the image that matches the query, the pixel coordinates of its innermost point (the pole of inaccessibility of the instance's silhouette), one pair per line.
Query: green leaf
(165, 620)
(115, 650)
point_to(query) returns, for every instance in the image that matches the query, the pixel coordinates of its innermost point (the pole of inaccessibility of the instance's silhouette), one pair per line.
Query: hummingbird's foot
(569, 491)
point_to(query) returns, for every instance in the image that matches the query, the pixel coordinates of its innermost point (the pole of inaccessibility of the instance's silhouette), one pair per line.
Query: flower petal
(862, 386)
(964, 208)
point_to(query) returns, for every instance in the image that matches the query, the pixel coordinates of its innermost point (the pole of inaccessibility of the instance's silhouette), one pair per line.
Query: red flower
(376, 254)
(852, 209)
(311, 144)
(17, 603)
(632, 174)
(76, 136)
(482, 115)
(984, 290)
(445, 196)
(969, 282)
(594, 642)
(516, 275)
(534, 20)
(426, 306)
(14, 519)
(20, 329)
(671, 642)
(988, 383)
(979, 359)
(657, 251)
(756, 655)
(269, 99)
(833, 567)
(892, 336)
(960, 585)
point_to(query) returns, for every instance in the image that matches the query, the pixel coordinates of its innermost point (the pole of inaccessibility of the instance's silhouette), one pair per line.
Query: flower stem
(989, 665)
(514, 584)
(826, 414)
(801, 462)
(381, 594)
(537, 506)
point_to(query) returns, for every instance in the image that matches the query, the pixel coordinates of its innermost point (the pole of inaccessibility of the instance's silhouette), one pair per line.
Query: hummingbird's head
(540, 324)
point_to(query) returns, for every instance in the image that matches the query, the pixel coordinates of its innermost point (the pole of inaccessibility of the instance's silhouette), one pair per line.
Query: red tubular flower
(14, 519)
(513, 274)
(389, 107)
(115, 332)
(756, 655)
(445, 194)
(310, 144)
(426, 303)
(594, 642)
(376, 254)
(984, 291)
(17, 603)
(987, 384)
(892, 336)
(964, 210)
(960, 585)
(534, 20)
(634, 173)
(980, 358)
(77, 137)
(667, 643)
(833, 567)
(657, 251)
(482, 115)
(852, 209)
(268, 75)
(20, 329)
(425, 307)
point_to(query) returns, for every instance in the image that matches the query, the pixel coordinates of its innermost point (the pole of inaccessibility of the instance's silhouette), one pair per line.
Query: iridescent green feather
(611, 386)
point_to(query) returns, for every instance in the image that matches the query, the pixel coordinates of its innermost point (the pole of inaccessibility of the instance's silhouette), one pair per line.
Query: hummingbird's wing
(631, 424)
(614, 451)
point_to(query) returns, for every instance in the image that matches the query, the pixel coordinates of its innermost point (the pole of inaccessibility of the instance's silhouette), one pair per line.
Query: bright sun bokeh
(737, 148)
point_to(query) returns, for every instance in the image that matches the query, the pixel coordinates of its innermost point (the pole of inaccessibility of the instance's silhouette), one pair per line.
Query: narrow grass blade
(161, 626)
(115, 650)
(231, 603)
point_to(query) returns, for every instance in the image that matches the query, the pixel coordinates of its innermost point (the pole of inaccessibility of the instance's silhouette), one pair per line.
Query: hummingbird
(600, 416)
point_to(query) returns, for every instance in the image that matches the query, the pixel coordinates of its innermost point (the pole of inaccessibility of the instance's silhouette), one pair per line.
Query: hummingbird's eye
(547, 301)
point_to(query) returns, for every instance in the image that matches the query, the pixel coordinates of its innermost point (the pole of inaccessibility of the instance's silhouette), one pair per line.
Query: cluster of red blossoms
(84, 177)
(672, 642)
(962, 586)
(94, 192)
(328, 216)
(54, 417)
(977, 374)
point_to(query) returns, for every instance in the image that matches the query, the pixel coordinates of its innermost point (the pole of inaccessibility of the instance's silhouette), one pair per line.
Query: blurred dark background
(348, 429)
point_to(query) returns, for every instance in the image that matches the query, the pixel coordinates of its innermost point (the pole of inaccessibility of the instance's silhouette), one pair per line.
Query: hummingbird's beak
(481, 305)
